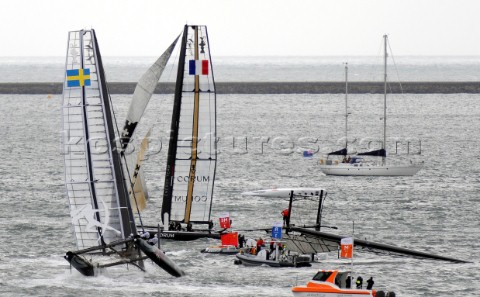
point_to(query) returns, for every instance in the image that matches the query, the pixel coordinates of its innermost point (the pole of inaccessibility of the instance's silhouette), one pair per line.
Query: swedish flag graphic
(78, 77)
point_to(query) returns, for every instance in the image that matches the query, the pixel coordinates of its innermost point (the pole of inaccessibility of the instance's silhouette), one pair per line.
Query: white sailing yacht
(356, 165)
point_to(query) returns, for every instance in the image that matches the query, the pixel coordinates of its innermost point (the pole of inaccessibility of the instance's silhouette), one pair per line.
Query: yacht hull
(351, 170)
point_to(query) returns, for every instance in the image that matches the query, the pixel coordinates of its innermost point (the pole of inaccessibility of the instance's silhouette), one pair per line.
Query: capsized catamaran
(102, 218)
(310, 239)
(279, 255)
(357, 165)
(192, 151)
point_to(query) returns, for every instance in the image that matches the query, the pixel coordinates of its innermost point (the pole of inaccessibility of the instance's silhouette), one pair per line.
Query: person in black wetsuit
(348, 283)
(241, 240)
(370, 283)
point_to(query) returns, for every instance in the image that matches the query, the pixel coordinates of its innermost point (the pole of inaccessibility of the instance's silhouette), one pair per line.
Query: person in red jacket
(260, 243)
(286, 217)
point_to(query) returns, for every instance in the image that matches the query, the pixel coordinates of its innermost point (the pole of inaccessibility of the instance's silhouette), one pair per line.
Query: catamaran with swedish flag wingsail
(102, 216)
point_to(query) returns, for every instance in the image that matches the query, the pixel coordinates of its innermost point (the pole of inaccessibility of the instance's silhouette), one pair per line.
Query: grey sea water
(435, 211)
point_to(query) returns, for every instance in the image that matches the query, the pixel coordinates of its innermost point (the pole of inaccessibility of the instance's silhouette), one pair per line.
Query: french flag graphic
(198, 67)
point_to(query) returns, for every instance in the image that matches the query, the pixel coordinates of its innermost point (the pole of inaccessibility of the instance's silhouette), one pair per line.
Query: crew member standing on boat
(259, 244)
(286, 217)
(370, 283)
(241, 240)
(359, 282)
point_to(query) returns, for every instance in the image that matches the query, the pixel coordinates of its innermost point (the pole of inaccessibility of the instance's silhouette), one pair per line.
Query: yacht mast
(385, 38)
(346, 107)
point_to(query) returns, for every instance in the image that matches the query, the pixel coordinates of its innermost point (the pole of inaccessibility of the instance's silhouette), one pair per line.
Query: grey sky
(246, 27)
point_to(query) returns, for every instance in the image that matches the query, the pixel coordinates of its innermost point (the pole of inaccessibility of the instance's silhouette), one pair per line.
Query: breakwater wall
(268, 88)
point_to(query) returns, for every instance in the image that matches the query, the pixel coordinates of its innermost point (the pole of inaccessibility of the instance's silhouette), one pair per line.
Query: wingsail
(311, 241)
(142, 94)
(99, 206)
(138, 197)
(102, 216)
(192, 153)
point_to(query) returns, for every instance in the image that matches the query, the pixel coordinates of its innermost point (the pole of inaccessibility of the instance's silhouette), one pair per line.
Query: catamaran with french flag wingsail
(192, 150)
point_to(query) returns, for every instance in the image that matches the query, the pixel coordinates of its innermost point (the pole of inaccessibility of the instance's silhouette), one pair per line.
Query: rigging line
(395, 65)
(122, 154)
(175, 58)
(206, 54)
(377, 60)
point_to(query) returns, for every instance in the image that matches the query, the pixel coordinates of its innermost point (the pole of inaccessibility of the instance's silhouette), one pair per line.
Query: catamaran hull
(284, 192)
(159, 258)
(347, 170)
(183, 235)
(79, 263)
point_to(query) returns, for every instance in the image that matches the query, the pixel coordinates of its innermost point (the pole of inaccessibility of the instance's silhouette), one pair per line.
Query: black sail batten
(172, 147)
(91, 182)
(376, 153)
(128, 220)
(342, 152)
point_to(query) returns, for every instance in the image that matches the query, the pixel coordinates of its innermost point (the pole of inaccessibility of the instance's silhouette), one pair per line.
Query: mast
(128, 220)
(385, 55)
(346, 108)
(91, 182)
(318, 222)
(172, 146)
(193, 164)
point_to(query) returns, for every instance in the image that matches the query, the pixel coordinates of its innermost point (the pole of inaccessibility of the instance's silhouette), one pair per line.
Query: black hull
(184, 235)
(159, 258)
(83, 266)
